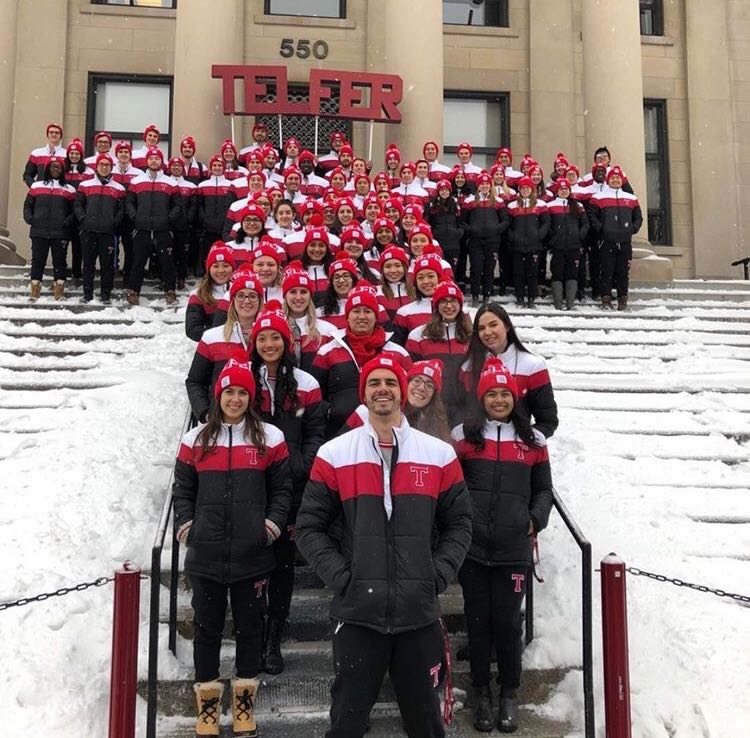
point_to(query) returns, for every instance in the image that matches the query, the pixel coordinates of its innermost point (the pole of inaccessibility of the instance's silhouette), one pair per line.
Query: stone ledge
(458, 30)
(126, 10)
(657, 41)
(8, 253)
(303, 21)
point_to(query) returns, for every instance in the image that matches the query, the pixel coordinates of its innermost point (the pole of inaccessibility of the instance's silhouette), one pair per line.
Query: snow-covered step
(648, 402)
(611, 323)
(662, 352)
(631, 336)
(50, 305)
(563, 365)
(673, 384)
(637, 312)
(48, 363)
(84, 332)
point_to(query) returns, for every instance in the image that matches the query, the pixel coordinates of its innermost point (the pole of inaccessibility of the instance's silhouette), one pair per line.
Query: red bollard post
(615, 641)
(124, 653)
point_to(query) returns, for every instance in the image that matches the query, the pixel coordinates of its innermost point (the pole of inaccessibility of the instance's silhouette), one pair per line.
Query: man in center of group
(393, 487)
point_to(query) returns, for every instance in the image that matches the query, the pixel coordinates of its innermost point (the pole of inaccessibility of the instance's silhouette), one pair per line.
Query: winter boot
(507, 714)
(274, 663)
(35, 290)
(243, 707)
(571, 288)
(58, 289)
(208, 696)
(622, 303)
(482, 712)
(133, 297)
(170, 297)
(607, 302)
(557, 295)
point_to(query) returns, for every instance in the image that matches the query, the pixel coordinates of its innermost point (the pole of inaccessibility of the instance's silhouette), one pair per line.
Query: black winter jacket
(446, 227)
(153, 204)
(303, 428)
(567, 229)
(616, 215)
(189, 205)
(485, 220)
(228, 495)
(509, 483)
(48, 209)
(215, 195)
(528, 227)
(100, 205)
(386, 573)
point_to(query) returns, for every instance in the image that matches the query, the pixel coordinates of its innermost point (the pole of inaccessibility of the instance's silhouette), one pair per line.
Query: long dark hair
(431, 419)
(443, 205)
(474, 426)
(307, 261)
(434, 331)
(477, 351)
(80, 167)
(209, 434)
(365, 270)
(331, 301)
(241, 235)
(285, 391)
(48, 177)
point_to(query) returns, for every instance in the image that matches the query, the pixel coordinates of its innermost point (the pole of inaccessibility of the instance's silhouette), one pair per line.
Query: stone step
(637, 312)
(85, 332)
(148, 294)
(551, 348)
(667, 323)
(62, 383)
(729, 383)
(309, 618)
(712, 284)
(14, 306)
(385, 723)
(653, 401)
(56, 350)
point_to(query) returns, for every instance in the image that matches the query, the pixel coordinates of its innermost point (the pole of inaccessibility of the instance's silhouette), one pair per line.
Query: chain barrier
(636, 572)
(82, 587)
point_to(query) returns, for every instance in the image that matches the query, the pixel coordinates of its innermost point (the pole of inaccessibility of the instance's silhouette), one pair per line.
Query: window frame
(133, 4)
(504, 18)
(503, 98)
(656, 8)
(662, 158)
(341, 16)
(96, 78)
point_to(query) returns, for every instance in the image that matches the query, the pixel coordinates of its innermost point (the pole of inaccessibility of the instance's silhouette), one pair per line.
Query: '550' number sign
(303, 49)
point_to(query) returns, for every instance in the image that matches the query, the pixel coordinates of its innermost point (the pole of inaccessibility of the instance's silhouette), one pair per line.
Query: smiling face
(293, 182)
(423, 170)
(270, 346)
(382, 394)
(372, 211)
(353, 248)
(123, 156)
(394, 270)
(408, 221)
(74, 155)
(54, 135)
(407, 176)
(154, 162)
(284, 215)
(220, 272)
(297, 300)
(493, 333)
(384, 236)
(266, 269)
(342, 281)
(498, 404)
(449, 308)
(217, 169)
(152, 138)
(417, 243)
(426, 282)
(362, 187)
(246, 303)
(252, 225)
(316, 251)
(234, 402)
(55, 170)
(338, 181)
(430, 152)
(104, 168)
(464, 156)
(176, 169)
(420, 391)
(361, 321)
(345, 215)
(102, 145)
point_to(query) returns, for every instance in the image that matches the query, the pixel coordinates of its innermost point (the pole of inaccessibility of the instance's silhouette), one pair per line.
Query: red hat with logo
(615, 172)
(102, 134)
(389, 361)
(495, 375)
(289, 171)
(410, 166)
(362, 297)
(76, 145)
(505, 150)
(295, 276)
(151, 129)
(484, 178)
(188, 141)
(154, 151)
(218, 253)
(353, 234)
(395, 203)
(421, 229)
(272, 318)
(427, 143)
(345, 264)
(176, 160)
(268, 248)
(394, 252)
(444, 290)
(216, 159)
(415, 210)
(253, 211)
(306, 156)
(56, 126)
(384, 223)
(465, 145)
(235, 374)
(432, 262)
(346, 149)
(432, 369)
(103, 157)
(123, 146)
(443, 184)
(317, 234)
(245, 280)
(228, 145)
(525, 182)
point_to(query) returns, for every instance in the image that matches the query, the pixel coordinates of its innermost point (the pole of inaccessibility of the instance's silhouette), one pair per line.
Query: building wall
(141, 40)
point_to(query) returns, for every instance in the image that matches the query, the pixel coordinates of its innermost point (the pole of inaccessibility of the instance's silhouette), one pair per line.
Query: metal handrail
(587, 612)
(153, 632)
(745, 264)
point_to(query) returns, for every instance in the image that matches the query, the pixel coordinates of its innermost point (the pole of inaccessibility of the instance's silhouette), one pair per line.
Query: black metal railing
(745, 264)
(586, 615)
(153, 633)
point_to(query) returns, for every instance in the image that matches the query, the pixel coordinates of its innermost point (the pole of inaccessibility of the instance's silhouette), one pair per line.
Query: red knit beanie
(361, 297)
(235, 374)
(447, 289)
(272, 318)
(495, 374)
(432, 369)
(219, 253)
(388, 361)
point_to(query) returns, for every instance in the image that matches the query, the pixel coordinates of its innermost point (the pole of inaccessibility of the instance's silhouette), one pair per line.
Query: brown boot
(243, 707)
(58, 289)
(133, 297)
(622, 303)
(606, 302)
(170, 297)
(208, 696)
(35, 290)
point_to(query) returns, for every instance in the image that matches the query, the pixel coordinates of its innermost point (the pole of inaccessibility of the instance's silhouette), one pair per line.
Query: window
(124, 105)
(657, 171)
(476, 12)
(479, 118)
(138, 3)
(311, 8)
(652, 17)
(303, 126)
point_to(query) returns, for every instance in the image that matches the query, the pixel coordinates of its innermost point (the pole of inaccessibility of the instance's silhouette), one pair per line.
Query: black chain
(679, 583)
(100, 582)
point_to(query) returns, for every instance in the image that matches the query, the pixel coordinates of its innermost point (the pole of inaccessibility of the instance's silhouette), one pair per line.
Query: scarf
(365, 348)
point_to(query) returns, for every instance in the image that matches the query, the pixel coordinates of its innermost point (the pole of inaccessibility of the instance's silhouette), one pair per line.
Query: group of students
(475, 220)
(369, 423)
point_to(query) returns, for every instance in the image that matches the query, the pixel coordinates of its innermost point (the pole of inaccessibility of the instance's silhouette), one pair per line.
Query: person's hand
(531, 528)
(184, 531)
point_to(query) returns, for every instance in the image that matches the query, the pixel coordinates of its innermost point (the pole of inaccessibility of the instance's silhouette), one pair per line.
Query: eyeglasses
(251, 219)
(420, 382)
(450, 301)
(342, 277)
(248, 297)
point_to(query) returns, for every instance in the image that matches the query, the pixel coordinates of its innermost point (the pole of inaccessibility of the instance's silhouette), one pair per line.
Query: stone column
(613, 109)
(410, 36)
(712, 173)
(39, 84)
(552, 81)
(8, 11)
(207, 32)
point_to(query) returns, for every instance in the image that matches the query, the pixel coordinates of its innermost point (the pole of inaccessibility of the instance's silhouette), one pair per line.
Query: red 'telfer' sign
(361, 95)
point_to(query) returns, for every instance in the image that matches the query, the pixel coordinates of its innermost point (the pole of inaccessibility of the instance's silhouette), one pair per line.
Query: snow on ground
(85, 474)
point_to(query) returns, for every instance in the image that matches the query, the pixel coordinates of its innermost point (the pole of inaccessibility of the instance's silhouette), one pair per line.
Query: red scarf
(365, 348)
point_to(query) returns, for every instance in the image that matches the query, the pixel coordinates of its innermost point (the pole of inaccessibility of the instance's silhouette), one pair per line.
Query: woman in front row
(507, 471)
(232, 493)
